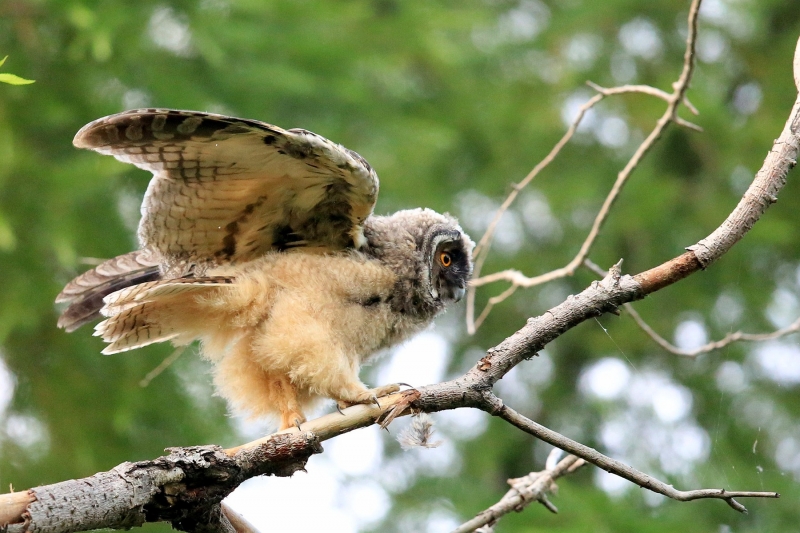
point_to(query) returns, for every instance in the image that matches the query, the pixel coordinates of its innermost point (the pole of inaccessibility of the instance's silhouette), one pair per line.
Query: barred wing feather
(228, 190)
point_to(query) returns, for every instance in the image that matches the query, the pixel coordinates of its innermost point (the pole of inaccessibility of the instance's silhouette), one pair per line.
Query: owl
(261, 244)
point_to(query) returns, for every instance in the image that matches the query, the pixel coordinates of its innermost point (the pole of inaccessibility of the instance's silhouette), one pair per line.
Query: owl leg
(291, 413)
(356, 395)
(250, 388)
(336, 377)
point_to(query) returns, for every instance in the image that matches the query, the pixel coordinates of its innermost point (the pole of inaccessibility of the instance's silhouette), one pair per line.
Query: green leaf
(3, 61)
(14, 80)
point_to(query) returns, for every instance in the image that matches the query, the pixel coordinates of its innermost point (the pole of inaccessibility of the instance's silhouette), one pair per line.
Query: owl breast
(284, 300)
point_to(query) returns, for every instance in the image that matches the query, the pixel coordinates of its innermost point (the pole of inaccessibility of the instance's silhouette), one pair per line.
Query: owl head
(448, 253)
(430, 253)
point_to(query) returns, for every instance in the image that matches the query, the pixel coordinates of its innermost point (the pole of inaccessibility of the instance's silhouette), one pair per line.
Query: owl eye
(445, 259)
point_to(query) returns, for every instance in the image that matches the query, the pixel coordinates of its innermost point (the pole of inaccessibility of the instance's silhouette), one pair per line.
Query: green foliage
(451, 102)
(12, 79)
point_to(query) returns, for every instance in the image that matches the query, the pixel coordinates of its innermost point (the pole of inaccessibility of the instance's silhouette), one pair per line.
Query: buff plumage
(266, 252)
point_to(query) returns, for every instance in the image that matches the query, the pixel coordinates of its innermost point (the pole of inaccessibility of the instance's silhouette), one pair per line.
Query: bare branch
(184, 488)
(670, 115)
(608, 464)
(163, 365)
(730, 338)
(237, 521)
(524, 490)
(482, 248)
(354, 417)
(736, 336)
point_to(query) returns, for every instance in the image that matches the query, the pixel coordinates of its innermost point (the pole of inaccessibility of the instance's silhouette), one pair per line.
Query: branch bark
(524, 490)
(184, 488)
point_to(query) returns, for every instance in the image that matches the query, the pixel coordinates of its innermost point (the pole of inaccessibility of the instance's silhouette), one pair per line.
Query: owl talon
(406, 385)
(297, 424)
(339, 408)
(375, 401)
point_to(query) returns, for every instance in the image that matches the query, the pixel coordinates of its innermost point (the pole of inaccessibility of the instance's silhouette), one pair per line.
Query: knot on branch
(208, 474)
(534, 487)
(612, 280)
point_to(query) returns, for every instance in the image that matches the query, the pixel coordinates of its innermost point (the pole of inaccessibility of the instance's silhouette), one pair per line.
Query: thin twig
(644, 89)
(163, 365)
(730, 338)
(670, 115)
(524, 490)
(237, 521)
(482, 248)
(619, 468)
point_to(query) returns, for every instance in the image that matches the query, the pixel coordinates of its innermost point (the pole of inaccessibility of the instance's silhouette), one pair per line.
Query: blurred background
(451, 102)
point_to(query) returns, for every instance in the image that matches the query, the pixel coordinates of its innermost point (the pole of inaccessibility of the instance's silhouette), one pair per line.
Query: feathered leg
(252, 389)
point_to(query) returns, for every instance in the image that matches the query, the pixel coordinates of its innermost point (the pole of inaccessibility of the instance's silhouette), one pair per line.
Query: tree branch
(524, 490)
(516, 278)
(184, 488)
(590, 455)
(730, 338)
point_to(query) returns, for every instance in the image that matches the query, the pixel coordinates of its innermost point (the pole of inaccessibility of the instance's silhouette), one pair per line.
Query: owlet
(260, 243)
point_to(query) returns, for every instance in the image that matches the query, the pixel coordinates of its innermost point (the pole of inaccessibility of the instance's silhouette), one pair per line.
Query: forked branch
(619, 468)
(519, 280)
(533, 487)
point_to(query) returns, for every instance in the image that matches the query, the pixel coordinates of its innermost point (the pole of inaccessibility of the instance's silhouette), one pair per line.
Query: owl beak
(458, 293)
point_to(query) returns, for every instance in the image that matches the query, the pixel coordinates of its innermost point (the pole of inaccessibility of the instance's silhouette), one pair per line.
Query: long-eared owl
(260, 243)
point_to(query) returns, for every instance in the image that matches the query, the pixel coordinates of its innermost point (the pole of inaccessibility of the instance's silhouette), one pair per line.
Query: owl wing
(228, 190)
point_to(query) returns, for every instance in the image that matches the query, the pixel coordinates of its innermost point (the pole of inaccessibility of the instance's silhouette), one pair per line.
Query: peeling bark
(184, 488)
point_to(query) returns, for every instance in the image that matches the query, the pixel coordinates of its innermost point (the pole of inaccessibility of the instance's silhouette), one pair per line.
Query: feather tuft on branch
(419, 433)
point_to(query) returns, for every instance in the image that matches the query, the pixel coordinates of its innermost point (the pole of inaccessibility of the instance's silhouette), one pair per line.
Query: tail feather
(154, 312)
(137, 339)
(148, 291)
(86, 292)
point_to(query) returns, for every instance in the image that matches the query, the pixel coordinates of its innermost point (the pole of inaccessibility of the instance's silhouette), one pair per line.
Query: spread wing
(228, 190)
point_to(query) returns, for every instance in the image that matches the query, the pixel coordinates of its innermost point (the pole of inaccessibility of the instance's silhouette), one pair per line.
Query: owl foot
(291, 419)
(369, 396)
(400, 407)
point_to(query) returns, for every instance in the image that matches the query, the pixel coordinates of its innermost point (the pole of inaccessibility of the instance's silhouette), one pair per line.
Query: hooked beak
(449, 294)
(459, 293)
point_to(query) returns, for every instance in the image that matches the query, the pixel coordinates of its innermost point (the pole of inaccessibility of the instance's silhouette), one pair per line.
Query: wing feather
(153, 312)
(86, 292)
(229, 190)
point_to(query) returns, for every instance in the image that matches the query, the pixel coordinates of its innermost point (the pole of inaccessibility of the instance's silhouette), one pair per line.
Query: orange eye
(445, 259)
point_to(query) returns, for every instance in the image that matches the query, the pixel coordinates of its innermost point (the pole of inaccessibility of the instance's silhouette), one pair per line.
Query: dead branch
(524, 490)
(590, 455)
(516, 278)
(184, 488)
(730, 338)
